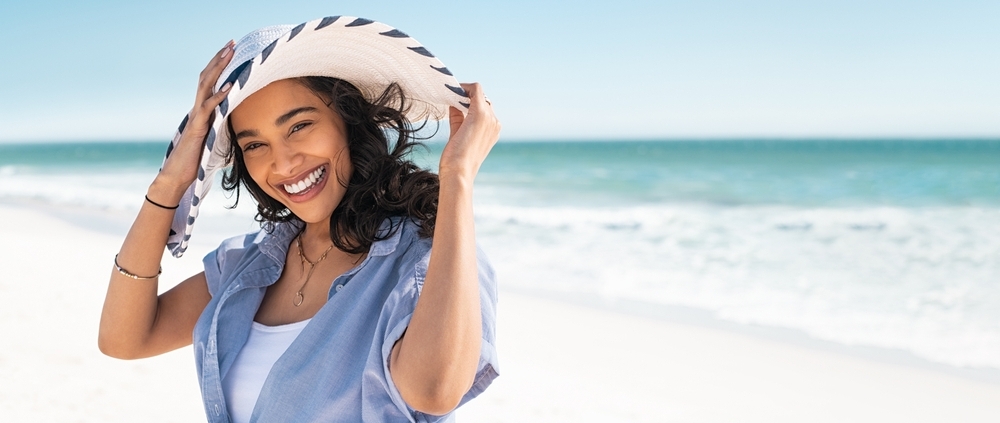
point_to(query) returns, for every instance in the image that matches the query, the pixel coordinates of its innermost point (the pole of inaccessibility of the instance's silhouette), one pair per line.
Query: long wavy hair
(385, 182)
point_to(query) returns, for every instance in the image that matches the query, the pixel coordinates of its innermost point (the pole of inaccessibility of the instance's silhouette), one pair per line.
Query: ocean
(892, 244)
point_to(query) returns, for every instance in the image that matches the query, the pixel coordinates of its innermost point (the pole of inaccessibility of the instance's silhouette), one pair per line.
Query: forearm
(130, 306)
(442, 342)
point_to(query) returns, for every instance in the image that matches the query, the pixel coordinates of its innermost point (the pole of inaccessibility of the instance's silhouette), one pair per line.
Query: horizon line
(568, 139)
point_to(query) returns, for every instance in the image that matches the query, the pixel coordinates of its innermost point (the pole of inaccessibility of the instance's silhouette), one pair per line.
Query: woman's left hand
(434, 363)
(472, 135)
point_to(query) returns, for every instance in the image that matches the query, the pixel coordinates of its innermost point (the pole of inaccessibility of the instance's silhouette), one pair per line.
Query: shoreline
(111, 224)
(560, 361)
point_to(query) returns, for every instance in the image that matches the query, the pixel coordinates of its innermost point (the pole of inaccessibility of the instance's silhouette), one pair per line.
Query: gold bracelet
(133, 275)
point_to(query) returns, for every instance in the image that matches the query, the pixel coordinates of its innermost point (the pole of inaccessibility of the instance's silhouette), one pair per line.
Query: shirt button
(338, 287)
(218, 410)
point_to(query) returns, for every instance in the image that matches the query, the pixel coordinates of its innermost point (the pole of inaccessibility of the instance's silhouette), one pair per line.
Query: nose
(287, 160)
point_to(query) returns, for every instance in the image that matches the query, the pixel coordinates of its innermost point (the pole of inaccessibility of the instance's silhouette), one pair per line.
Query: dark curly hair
(385, 182)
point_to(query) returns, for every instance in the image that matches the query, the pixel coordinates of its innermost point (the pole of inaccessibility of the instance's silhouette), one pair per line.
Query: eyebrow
(281, 120)
(285, 117)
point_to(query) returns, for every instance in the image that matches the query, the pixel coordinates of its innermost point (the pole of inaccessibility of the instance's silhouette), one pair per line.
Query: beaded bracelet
(133, 275)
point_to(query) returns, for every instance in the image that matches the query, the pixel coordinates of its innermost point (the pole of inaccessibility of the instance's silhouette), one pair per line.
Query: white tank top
(243, 383)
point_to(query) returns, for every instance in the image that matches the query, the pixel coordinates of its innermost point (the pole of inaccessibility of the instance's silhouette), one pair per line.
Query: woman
(338, 310)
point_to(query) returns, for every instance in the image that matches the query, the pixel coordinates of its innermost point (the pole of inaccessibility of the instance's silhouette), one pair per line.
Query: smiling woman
(361, 322)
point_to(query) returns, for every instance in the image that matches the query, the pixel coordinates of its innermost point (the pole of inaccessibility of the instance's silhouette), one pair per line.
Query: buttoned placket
(215, 404)
(211, 365)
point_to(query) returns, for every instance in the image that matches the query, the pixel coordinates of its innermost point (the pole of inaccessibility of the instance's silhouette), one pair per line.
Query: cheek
(258, 172)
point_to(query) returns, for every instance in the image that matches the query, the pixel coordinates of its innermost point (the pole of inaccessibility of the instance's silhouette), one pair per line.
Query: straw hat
(368, 54)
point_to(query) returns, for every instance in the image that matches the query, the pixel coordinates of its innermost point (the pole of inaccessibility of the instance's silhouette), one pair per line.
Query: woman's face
(295, 148)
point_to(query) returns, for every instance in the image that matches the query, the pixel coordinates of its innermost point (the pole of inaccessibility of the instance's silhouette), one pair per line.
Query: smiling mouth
(307, 183)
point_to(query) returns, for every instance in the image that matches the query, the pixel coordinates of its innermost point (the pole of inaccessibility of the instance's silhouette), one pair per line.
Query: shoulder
(399, 238)
(234, 254)
(411, 253)
(260, 242)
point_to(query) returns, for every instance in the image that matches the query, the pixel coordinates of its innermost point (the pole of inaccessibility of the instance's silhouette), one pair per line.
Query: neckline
(288, 327)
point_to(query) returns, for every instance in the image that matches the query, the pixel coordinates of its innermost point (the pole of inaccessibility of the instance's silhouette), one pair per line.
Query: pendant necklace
(299, 298)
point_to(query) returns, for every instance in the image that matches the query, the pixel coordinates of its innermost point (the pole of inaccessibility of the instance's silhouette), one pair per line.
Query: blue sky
(117, 70)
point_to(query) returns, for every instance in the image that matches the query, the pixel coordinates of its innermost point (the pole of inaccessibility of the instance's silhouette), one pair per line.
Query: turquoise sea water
(808, 173)
(885, 243)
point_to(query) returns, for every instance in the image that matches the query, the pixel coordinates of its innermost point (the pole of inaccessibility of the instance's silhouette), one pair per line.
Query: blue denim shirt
(337, 369)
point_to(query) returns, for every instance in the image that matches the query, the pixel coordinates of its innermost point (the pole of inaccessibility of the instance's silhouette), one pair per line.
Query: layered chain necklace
(299, 298)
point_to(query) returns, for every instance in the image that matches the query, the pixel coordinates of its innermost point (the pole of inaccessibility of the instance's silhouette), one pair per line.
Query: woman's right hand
(181, 168)
(135, 321)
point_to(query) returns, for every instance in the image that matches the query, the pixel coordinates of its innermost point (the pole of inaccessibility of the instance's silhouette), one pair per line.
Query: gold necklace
(299, 298)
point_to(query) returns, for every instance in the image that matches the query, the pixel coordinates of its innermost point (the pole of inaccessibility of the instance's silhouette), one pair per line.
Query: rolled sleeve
(222, 261)
(399, 311)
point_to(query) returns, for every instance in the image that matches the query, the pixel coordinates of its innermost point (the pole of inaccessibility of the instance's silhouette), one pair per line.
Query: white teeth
(305, 183)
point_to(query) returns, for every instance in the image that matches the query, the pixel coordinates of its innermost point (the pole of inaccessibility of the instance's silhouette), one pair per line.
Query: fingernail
(227, 86)
(227, 48)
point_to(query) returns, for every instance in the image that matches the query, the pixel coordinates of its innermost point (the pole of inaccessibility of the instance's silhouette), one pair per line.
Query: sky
(126, 70)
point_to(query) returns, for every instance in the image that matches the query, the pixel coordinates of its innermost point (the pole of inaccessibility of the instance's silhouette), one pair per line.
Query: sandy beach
(560, 361)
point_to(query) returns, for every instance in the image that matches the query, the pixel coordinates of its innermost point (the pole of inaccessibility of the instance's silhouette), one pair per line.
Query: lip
(309, 193)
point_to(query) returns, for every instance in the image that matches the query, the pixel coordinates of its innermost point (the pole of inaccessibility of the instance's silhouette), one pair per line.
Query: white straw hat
(368, 54)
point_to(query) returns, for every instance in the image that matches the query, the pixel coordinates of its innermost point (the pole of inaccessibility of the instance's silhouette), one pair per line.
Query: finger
(211, 73)
(214, 101)
(476, 97)
(201, 116)
(455, 119)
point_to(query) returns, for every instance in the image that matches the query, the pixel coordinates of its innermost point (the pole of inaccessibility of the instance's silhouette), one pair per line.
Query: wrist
(456, 177)
(166, 192)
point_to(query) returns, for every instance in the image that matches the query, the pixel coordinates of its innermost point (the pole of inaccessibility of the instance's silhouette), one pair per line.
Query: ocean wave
(917, 279)
(920, 279)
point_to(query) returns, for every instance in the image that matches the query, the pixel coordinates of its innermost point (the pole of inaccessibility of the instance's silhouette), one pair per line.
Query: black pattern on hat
(359, 22)
(395, 33)
(267, 51)
(423, 51)
(231, 78)
(443, 70)
(245, 73)
(295, 31)
(327, 21)
(180, 129)
(457, 90)
(210, 141)
(224, 106)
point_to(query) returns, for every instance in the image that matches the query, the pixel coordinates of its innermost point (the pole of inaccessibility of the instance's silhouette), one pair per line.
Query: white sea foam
(922, 280)
(108, 190)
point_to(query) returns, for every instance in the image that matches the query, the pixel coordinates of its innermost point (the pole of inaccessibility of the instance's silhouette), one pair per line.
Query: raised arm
(435, 361)
(135, 322)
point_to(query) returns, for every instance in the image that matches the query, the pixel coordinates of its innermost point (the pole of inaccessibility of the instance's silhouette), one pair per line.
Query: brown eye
(251, 146)
(299, 126)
